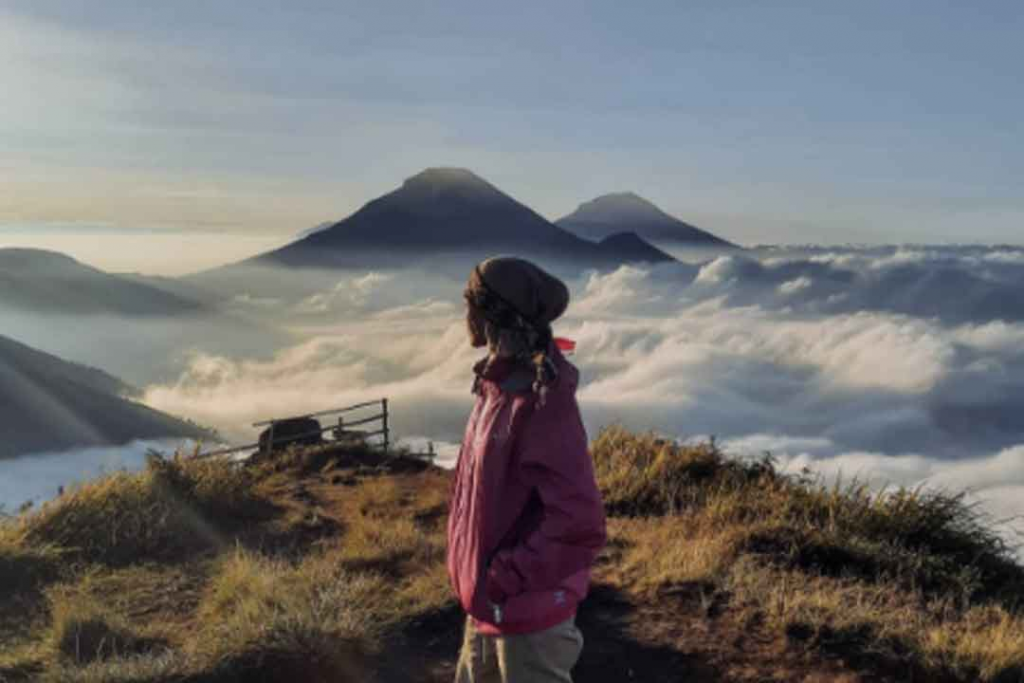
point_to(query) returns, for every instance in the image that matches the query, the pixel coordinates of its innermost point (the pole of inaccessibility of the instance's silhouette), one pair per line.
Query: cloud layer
(899, 364)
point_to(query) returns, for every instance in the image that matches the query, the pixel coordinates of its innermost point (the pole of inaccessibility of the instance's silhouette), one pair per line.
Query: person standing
(527, 520)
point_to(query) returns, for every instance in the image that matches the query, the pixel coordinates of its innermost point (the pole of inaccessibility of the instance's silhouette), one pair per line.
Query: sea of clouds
(892, 351)
(899, 365)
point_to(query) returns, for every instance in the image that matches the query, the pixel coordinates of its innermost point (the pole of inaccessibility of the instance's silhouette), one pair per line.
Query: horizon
(866, 125)
(144, 250)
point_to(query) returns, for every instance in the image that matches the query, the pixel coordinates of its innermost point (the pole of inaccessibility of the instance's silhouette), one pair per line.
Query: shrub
(173, 508)
(642, 474)
(925, 539)
(913, 582)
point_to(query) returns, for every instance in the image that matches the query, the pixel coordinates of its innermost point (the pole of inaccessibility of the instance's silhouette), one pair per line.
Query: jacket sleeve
(554, 460)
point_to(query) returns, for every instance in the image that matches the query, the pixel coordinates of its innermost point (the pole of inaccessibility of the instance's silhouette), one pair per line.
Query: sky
(790, 122)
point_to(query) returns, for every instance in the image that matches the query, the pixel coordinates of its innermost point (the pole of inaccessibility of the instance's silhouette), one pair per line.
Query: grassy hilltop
(328, 565)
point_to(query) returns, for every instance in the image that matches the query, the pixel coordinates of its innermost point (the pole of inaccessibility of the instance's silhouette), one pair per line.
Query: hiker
(527, 520)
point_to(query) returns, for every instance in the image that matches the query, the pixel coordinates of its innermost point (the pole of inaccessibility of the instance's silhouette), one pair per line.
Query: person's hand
(496, 593)
(503, 581)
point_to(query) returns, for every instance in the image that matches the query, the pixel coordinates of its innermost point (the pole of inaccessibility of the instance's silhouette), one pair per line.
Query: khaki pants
(542, 657)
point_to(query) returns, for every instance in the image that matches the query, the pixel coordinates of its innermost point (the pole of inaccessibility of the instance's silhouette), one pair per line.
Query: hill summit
(617, 207)
(38, 280)
(447, 180)
(629, 212)
(20, 260)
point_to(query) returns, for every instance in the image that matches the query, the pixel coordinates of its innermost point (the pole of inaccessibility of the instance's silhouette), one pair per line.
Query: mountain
(633, 248)
(628, 212)
(53, 303)
(49, 282)
(50, 405)
(177, 287)
(437, 213)
(315, 229)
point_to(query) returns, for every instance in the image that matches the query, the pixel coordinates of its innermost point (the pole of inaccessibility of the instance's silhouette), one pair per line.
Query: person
(527, 520)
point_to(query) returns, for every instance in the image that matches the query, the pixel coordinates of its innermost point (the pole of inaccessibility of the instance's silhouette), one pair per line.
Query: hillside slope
(41, 281)
(328, 565)
(50, 404)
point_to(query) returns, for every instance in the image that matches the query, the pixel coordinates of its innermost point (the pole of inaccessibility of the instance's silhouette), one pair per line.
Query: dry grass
(170, 511)
(145, 577)
(259, 612)
(982, 642)
(154, 576)
(648, 556)
(391, 531)
(24, 566)
(907, 578)
(84, 630)
(927, 540)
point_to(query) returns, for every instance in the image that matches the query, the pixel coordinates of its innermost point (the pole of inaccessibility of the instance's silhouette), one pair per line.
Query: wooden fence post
(270, 439)
(387, 432)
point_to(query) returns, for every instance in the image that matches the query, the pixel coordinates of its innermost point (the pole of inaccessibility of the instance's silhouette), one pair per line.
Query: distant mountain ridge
(136, 326)
(442, 211)
(50, 404)
(43, 281)
(633, 247)
(315, 229)
(621, 212)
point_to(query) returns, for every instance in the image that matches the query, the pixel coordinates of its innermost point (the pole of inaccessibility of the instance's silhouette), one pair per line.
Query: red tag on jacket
(566, 345)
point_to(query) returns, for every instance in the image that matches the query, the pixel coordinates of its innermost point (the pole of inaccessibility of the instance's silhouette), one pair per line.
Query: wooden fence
(341, 428)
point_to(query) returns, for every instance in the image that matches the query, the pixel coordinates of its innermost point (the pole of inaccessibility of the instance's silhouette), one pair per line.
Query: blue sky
(765, 122)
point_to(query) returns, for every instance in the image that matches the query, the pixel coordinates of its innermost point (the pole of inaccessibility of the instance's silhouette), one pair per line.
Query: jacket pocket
(537, 606)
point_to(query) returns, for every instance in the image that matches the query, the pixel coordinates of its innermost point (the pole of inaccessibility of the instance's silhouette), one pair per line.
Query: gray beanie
(536, 295)
(514, 294)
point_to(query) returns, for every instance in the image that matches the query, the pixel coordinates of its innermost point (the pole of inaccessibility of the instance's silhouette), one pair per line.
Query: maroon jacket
(526, 518)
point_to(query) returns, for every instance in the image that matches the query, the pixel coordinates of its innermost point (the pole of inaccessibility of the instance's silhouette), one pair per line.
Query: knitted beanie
(516, 295)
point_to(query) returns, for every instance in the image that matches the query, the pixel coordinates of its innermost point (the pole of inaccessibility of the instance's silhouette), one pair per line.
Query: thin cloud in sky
(780, 125)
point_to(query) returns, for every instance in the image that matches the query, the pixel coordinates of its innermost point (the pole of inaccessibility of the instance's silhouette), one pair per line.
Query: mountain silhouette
(43, 281)
(440, 212)
(51, 405)
(629, 212)
(631, 246)
(315, 229)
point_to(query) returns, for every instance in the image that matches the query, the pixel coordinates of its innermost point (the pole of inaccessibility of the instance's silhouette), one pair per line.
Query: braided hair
(530, 338)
